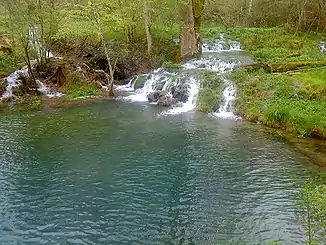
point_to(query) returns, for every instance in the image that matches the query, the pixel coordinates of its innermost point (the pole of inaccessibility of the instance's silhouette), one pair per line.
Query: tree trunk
(147, 20)
(250, 7)
(28, 62)
(111, 68)
(190, 29)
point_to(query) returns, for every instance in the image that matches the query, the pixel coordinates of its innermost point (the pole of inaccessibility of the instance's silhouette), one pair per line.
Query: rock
(165, 99)
(5, 49)
(153, 96)
(181, 93)
(162, 98)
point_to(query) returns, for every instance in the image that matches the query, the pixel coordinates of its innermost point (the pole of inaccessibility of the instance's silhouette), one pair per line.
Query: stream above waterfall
(114, 173)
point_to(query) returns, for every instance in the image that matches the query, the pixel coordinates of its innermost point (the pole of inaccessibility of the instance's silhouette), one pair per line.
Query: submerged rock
(140, 81)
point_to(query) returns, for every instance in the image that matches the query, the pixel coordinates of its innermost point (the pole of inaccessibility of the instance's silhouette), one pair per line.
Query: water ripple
(137, 179)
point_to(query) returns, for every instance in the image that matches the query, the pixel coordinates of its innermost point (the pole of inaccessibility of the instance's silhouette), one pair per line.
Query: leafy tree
(312, 206)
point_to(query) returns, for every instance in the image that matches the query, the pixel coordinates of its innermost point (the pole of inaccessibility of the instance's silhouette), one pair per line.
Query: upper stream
(115, 173)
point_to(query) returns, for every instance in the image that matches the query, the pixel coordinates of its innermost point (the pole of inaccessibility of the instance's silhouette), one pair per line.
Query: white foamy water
(44, 89)
(140, 95)
(190, 104)
(221, 45)
(212, 64)
(13, 81)
(322, 46)
(226, 108)
(162, 81)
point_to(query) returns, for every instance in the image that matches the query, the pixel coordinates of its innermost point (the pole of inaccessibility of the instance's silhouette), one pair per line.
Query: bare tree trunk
(28, 62)
(250, 7)
(147, 20)
(111, 68)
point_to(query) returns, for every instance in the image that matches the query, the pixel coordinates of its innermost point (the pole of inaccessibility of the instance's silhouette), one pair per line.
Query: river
(122, 173)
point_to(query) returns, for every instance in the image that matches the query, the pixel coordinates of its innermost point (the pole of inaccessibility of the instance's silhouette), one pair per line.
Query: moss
(140, 81)
(210, 94)
(77, 87)
(171, 66)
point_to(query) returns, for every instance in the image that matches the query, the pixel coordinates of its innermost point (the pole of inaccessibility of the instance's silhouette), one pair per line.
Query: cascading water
(13, 80)
(322, 47)
(44, 89)
(226, 108)
(180, 88)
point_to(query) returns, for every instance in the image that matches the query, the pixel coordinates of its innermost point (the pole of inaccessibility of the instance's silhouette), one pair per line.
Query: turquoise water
(116, 173)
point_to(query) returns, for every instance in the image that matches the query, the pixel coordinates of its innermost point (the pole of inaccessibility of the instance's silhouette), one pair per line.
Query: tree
(32, 25)
(95, 12)
(192, 13)
(312, 207)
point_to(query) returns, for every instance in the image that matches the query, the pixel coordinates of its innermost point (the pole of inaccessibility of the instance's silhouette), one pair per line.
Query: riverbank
(292, 99)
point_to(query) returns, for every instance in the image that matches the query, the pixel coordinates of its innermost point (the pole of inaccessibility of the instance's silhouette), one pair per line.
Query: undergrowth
(77, 88)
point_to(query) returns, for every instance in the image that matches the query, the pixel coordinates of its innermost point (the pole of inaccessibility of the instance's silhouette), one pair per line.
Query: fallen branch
(286, 67)
(301, 70)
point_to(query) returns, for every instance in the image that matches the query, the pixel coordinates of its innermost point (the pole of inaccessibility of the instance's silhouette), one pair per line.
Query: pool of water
(117, 173)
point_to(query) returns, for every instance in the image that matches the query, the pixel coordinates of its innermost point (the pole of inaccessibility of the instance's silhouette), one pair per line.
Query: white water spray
(165, 83)
(44, 89)
(226, 108)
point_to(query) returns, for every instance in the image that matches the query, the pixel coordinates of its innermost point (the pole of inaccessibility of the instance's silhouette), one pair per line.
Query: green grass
(210, 93)
(78, 88)
(272, 45)
(283, 101)
(293, 102)
(7, 64)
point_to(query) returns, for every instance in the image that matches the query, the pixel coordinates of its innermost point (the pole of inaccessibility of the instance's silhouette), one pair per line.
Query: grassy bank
(292, 101)
(295, 103)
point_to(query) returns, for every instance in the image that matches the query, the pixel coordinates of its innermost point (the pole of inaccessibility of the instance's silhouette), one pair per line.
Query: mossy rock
(140, 81)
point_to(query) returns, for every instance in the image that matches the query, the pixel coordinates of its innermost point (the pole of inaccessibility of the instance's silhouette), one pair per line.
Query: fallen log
(285, 67)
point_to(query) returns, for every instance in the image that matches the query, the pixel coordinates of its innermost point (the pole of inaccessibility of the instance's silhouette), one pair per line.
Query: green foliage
(210, 93)
(312, 209)
(79, 88)
(171, 66)
(277, 101)
(7, 64)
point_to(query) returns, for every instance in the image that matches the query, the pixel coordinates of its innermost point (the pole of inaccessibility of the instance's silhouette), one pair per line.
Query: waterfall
(129, 87)
(322, 46)
(226, 107)
(13, 81)
(180, 88)
(44, 89)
